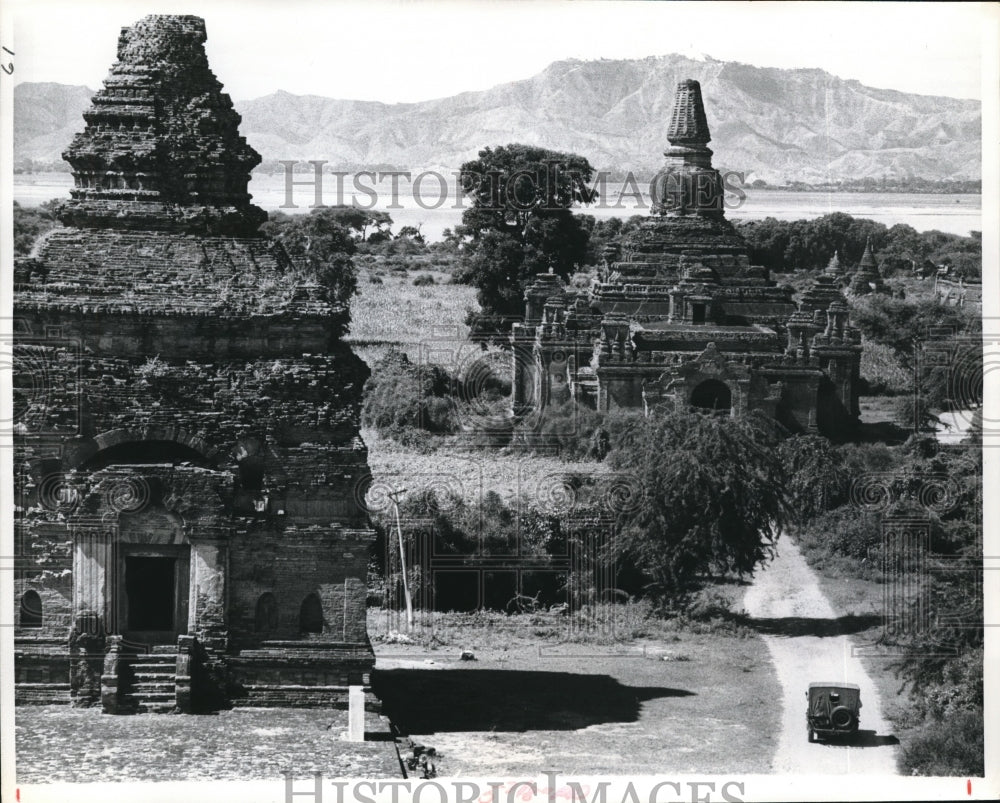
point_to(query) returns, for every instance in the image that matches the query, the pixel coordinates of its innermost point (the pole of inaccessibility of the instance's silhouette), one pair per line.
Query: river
(955, 214)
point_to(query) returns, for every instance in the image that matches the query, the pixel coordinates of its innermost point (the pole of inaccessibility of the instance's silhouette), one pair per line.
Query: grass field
(427, 320)
(471, 473)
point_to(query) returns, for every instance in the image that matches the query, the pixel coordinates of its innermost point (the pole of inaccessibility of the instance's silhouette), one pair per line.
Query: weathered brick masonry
(189, 473)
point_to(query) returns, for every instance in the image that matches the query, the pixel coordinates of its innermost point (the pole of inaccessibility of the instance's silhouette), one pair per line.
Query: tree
(712, 500)
(411, 233)
(30, 223)
(322, 247)
(903, 324)
(816, 479)
(520, 222)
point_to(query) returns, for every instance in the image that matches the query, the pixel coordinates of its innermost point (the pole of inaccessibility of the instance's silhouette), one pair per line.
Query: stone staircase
(153, 686)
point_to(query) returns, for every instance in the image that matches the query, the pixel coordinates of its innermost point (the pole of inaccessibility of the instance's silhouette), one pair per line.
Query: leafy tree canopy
(520, 222)
(712, 496)
(322, 246)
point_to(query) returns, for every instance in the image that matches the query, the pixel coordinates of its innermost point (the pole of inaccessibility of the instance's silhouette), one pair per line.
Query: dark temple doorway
(150, 583)
(712, 395)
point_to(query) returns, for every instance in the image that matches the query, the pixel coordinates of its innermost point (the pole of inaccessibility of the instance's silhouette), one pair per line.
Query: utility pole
(394, 496)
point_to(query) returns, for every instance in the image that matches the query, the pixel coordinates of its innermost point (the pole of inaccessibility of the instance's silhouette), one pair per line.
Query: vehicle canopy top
(852, 686)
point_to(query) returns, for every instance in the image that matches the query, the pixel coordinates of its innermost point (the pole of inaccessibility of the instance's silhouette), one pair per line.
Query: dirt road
(802, 637)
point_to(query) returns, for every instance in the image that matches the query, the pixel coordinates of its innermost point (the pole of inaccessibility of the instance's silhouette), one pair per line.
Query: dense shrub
(400, 397)
(447, 525)
(953, 746)
(883, 371)
(576, 431)
(423, 280)
(902, 325)
(845, 540)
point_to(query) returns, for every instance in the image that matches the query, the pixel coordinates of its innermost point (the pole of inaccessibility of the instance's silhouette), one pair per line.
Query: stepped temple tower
(867, 278)
(189, 473)
(685, 320)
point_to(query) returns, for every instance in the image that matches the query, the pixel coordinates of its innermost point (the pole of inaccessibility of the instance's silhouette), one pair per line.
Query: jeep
(832, 710)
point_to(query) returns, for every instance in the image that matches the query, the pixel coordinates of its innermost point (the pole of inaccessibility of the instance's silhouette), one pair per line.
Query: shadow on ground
(805, 626)
(863, 738)
(888, 432)
(432, 701)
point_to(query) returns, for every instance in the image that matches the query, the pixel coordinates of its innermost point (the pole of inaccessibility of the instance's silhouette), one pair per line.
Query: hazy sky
(408, 51)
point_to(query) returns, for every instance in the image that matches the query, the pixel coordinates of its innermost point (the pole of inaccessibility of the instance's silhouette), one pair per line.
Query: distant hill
(46, 116)
(776, 125)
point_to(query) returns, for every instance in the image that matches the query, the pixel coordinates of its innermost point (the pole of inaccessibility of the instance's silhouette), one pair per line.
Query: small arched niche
(31, 609)
(311, 615)
(266, 614)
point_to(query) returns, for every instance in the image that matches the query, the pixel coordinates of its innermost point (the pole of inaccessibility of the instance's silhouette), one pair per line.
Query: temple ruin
(684, 319)
(190, 531)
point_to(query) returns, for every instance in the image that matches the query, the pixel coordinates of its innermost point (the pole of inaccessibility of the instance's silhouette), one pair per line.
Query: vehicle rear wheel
(811, 733)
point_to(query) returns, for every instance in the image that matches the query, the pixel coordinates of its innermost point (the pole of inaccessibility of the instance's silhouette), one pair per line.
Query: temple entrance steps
(153, 679)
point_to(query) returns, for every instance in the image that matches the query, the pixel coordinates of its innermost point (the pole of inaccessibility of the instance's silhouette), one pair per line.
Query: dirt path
(786, 600)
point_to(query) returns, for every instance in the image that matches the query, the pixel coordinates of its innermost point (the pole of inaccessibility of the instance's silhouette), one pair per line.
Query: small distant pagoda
(867, 278)
(833, 267)
(190, 532)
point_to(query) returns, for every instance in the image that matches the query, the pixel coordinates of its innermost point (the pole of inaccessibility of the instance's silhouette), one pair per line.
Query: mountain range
(773, 124)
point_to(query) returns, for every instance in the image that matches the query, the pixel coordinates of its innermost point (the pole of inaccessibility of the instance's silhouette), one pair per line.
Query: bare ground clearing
(677, 704)
(57, 743)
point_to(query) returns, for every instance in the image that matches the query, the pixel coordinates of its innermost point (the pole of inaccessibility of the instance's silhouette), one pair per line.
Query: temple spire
(161, 148)
(688, 124)
(867, 258)
(688, 184)
(833, 267)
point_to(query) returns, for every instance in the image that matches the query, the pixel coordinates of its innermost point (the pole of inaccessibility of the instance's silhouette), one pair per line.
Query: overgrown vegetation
(409, 402)
(709, 499)
(935, 345)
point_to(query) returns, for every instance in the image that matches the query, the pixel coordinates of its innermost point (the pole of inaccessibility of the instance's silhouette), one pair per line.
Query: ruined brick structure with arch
(190, 531)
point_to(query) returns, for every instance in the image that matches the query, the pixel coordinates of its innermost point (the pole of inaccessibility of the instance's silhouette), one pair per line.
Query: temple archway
(713, 395)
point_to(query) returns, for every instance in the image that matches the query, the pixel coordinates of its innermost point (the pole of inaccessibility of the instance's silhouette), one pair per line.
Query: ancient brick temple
(685, 320)
(189, 531)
